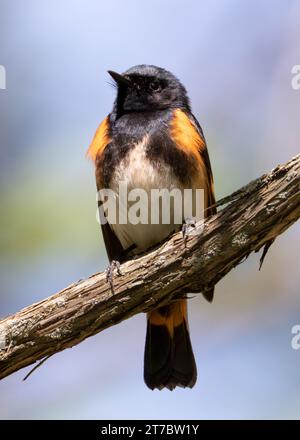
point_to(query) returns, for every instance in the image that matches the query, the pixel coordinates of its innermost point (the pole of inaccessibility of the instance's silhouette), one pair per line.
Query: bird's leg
(114, 265)
(187, 228)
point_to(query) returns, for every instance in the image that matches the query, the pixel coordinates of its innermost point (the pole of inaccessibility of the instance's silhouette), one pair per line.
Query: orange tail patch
(169, 316)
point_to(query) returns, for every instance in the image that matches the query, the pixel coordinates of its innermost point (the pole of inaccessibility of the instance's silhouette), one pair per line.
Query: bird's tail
(169, 359)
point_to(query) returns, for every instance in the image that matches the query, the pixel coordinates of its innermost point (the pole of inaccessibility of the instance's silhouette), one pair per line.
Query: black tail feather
(169, 359)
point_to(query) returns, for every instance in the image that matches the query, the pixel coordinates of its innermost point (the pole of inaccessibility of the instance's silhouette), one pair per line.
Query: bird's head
(146, 88)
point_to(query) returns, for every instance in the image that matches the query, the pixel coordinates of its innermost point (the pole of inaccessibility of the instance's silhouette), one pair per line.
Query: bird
(151, 140)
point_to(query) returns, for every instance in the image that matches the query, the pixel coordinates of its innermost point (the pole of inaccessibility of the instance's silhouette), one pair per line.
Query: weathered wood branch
(249, 219)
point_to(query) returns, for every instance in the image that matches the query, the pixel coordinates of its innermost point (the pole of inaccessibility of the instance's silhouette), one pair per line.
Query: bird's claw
(114, 265)
(187, 227)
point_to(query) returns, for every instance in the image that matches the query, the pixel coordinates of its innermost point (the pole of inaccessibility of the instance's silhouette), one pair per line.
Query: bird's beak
(119, 79)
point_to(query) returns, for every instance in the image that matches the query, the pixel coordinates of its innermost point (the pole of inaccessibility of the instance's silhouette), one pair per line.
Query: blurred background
(235, 58)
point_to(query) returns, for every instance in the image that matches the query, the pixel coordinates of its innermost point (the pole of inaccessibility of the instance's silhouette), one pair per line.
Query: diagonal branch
(250, 218)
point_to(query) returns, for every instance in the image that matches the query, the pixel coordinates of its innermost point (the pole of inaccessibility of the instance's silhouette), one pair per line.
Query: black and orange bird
(151, 140)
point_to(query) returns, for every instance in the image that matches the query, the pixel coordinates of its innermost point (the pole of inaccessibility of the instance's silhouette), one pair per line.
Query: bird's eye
(155, 86)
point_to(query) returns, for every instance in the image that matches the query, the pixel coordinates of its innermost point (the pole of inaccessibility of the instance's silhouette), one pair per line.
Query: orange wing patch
(101, 139)
(185, 134)
(187, 138)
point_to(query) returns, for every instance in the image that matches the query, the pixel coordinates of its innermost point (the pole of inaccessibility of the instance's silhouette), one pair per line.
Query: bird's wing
(188, 136)
(211, 209)
(95, 152)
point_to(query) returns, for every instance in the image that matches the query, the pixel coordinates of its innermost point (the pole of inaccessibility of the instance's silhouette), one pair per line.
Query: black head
(146, 88)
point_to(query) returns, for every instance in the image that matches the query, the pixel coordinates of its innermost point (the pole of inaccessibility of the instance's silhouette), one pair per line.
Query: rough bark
(249, 219)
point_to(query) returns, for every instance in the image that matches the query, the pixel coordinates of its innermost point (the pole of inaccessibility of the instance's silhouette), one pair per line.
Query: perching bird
(151, 140)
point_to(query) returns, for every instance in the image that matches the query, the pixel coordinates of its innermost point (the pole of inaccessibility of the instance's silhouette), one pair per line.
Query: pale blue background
(235, 58)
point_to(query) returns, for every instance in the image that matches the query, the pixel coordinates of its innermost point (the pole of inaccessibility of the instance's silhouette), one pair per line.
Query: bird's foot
(114, 265)
(188, 228)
